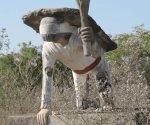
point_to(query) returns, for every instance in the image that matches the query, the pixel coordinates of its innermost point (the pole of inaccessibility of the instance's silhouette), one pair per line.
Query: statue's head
(55, 30)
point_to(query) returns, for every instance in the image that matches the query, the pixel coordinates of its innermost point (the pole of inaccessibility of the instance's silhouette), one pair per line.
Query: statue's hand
(43, 117)
(86, 34)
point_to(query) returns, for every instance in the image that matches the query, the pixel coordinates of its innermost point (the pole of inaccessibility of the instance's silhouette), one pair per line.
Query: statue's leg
(82, 90)
(104, 86)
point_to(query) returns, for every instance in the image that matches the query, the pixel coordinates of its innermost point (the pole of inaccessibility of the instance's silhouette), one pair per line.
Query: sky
(114, 16)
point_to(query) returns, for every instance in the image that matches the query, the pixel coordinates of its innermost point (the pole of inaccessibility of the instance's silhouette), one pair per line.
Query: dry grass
(130, 91)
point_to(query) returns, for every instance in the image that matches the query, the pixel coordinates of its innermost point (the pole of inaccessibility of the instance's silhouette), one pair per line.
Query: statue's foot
(89, 105)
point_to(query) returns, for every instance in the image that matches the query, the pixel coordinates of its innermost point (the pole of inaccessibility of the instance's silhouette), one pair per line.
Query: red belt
(90, 67)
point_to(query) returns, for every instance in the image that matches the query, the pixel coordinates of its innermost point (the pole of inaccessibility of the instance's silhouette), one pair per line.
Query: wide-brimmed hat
(72, 16)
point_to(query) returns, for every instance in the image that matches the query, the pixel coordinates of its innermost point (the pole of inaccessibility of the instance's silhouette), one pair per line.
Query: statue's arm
(48, 65)
(46, 93)
(43, 115)
(86, 31)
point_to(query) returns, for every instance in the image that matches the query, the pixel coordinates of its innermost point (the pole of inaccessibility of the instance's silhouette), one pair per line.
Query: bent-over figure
(63, 42)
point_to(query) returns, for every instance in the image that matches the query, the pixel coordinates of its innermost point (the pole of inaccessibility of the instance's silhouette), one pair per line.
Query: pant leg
(103, 84)
(82, 90)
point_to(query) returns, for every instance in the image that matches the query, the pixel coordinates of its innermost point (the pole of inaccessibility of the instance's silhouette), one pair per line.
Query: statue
(62, 36)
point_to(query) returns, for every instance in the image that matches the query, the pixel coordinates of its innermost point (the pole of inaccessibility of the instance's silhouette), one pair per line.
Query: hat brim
(70, 15)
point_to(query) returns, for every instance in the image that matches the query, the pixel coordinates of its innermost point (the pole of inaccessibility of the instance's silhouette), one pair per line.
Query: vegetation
(133, 50)
(21, 74)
